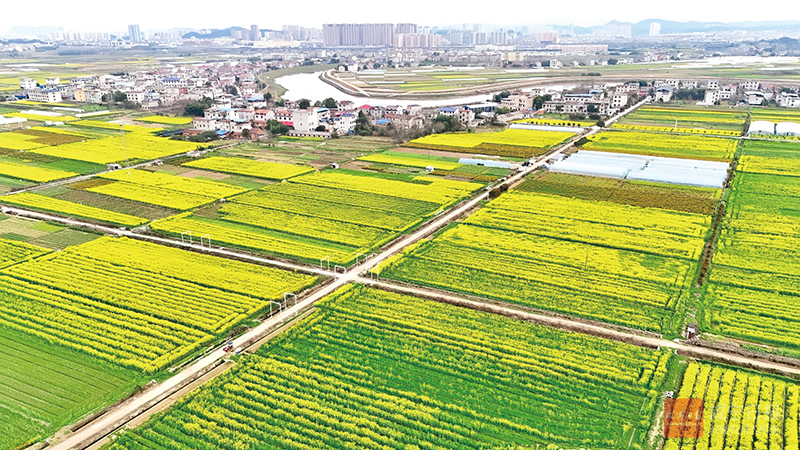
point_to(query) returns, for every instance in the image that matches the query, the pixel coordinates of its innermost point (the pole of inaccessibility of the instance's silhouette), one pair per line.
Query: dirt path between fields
(594, 330)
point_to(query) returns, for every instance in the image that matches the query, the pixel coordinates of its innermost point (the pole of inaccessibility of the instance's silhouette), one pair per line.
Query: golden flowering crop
(170, 191)
(242, 166)
(12, 252)
(666, 145)
(147, 305)
(511, 142)
(740, 408)
(373, 369)
(131, 146)
(166, 120)
(429, 189)
(33, 173)
(19, 141)
(63, 207)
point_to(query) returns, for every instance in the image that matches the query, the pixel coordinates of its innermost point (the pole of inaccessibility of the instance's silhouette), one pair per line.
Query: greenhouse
(787, 129)
(761, 127)
(645, 168)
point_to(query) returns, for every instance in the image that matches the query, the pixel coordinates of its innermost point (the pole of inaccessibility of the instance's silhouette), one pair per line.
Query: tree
(276, 128)
(612, 61)
(591, 109)
(540, 100)
(206, 136)
(499, 97)
(197, 108)
(444, 123)
(320, 128)
(231, 89)
(267, 96)
(246, 133)
(120, 96)
(303, 103)
(363, 127)
(329, 103)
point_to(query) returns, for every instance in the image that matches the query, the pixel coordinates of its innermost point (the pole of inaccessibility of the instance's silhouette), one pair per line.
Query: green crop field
(775, 115)
(754, 293)
(625, 192)
(371, 369)
(44, 386)
(510, 142)
(333, 215)
(409, 159)
(666, 145)
(146, 306)
(627, 265)
(702, 121)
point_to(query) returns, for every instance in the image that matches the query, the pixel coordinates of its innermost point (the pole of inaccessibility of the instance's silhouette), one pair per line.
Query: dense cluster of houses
(156, 88)
(230, 116)
(751, 92)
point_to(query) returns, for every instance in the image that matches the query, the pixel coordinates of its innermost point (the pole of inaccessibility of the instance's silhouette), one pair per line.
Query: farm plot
(44, 386)
(147, 305)
(19, 141)
(511, 142)
(160, 189)
(774, 115)
(72, 209)
(249, 167)
(410, 160)
(33, 173)
(166, 120)
(739, 408)
(771, 158)
(702, 121)
(619, 264)
(12, 252)
(555, 122)
(136, 143)
(666, 145)
(321, 215)
(371, 369)
(754, 289)
(671, 197)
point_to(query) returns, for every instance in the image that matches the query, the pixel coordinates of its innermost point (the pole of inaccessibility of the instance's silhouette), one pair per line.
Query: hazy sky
(95, 15)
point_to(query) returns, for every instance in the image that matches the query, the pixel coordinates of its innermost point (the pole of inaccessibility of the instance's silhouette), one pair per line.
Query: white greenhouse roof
(761, 127)
(788, 128)
(645, 168)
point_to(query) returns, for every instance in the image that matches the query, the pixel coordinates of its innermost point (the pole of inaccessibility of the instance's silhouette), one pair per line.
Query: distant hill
(668, 27)
(215, 33)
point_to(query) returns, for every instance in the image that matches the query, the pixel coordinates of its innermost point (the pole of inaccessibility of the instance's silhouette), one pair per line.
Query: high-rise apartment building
(655, 29)
(405, 28)
(361, 34)
(255, 33)
(134, 34)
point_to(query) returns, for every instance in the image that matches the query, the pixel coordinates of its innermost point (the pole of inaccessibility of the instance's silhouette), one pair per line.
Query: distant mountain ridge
(669, 27)
(215, 33)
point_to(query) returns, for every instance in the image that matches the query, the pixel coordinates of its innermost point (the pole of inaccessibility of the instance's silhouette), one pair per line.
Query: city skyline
(152, 15)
